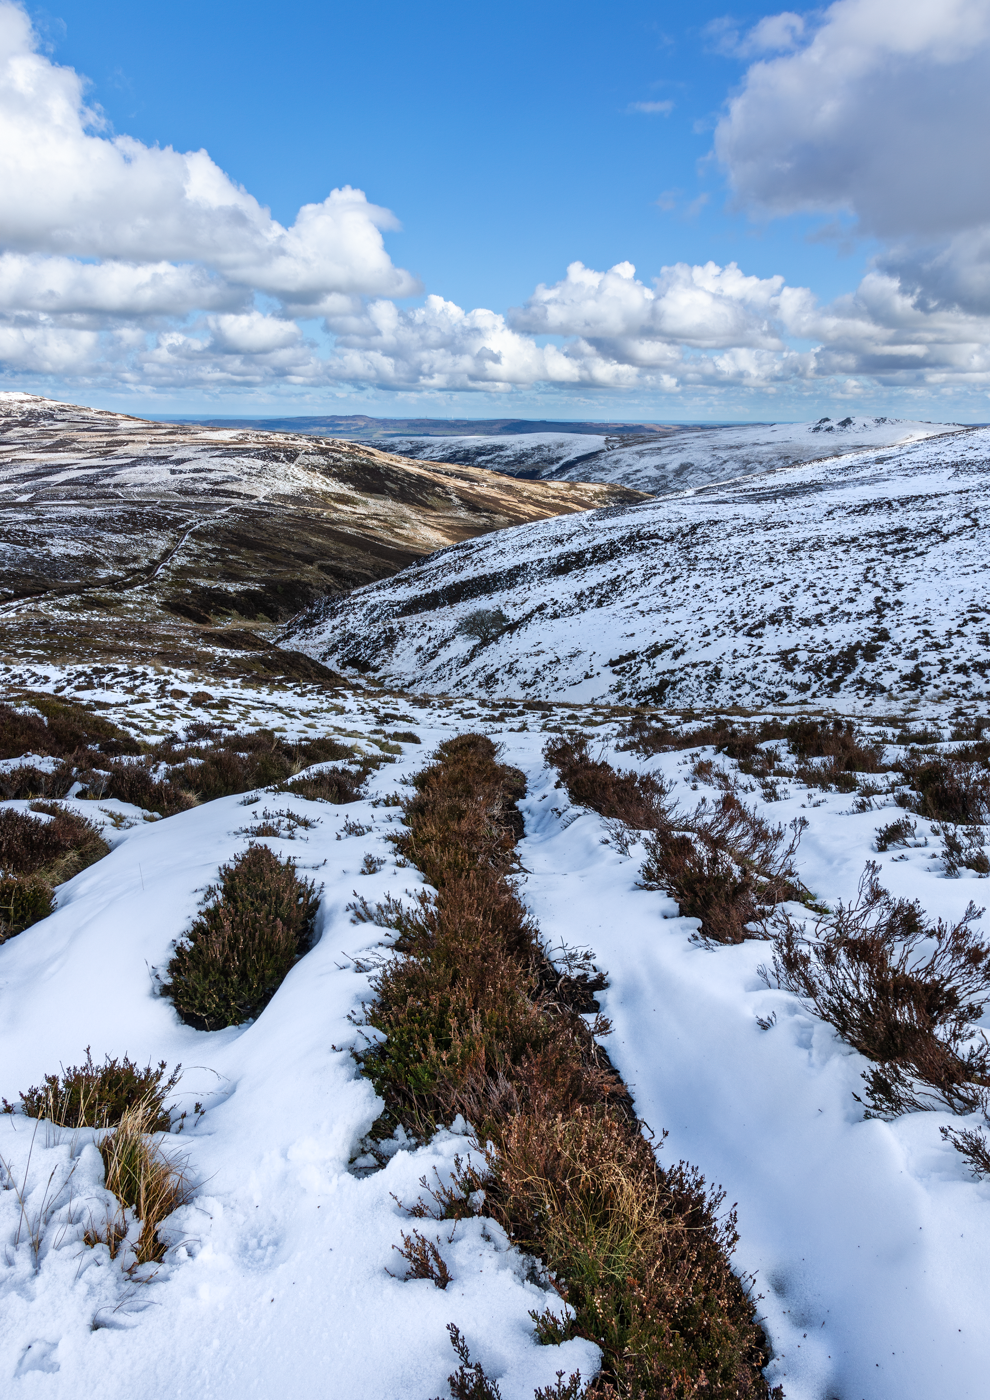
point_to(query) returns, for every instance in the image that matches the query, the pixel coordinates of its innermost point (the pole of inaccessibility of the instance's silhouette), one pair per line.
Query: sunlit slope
(115, 531)
(671, 460)
(861, 578)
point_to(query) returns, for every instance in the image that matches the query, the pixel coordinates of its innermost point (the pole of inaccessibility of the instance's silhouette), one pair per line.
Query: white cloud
(72, 188)
(703, 307)
(33, 282)
(128, 265)
(882, 114)
(653, 109)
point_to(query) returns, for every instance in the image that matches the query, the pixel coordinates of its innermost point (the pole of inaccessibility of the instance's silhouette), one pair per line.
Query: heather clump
(38, 850)
(903, 991)
(98, 1096)
(636, 799)
(257, 923)
(470, 1017)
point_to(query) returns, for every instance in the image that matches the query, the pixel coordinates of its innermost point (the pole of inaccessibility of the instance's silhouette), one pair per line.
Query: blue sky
(510, 143)
(502, 137)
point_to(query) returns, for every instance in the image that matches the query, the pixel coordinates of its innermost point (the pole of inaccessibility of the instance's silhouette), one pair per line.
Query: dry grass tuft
(142, 1178)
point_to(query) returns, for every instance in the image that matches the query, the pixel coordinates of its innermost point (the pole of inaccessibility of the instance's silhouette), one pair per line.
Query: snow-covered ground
(869, 1240)
(857, 581)
(661, 463)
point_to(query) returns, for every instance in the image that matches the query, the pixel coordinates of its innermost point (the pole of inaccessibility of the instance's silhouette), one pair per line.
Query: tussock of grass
(143, 1178)
(870, 968)
(257, 923)
(129, 1104)
(97, 1096)
(474, 1020)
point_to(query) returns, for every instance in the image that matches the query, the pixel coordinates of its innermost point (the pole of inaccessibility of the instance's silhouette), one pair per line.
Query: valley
(575, 797)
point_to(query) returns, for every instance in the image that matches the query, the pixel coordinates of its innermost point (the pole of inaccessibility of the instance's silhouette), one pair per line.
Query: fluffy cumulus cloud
(878, 110)
(139, 266)
(102, 233)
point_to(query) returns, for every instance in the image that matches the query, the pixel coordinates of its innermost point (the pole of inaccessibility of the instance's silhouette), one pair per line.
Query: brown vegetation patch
(867, 970)
(37, 854)
(724, 865)
(473, 1019)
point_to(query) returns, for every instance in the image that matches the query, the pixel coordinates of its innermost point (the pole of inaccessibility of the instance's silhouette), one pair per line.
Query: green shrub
(257, 924)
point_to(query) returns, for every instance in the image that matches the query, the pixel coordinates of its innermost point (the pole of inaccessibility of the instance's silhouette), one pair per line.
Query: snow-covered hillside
(660, 463)
(865, 578)
(869, 1239)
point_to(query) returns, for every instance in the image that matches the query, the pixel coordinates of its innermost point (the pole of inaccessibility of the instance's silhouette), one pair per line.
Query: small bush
(258, 923)
(638, 799)
(964, 848)
(57, 848)
(865, 969)
(26, 781)
(98, 1096)
(469, 1381)
(335, 785)
(24, 900)
(897, 833)
(973, 1145)
(136, 783)
(727, 869)
(946, 788)
(835, 740)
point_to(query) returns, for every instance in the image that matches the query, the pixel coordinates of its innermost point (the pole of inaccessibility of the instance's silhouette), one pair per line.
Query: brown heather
(473, 1019)
(724, 865)
(902, 991)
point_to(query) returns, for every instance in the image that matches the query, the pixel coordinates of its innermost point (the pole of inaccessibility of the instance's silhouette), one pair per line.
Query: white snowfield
(864, 580)
(672, 460)
(869, 1240)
